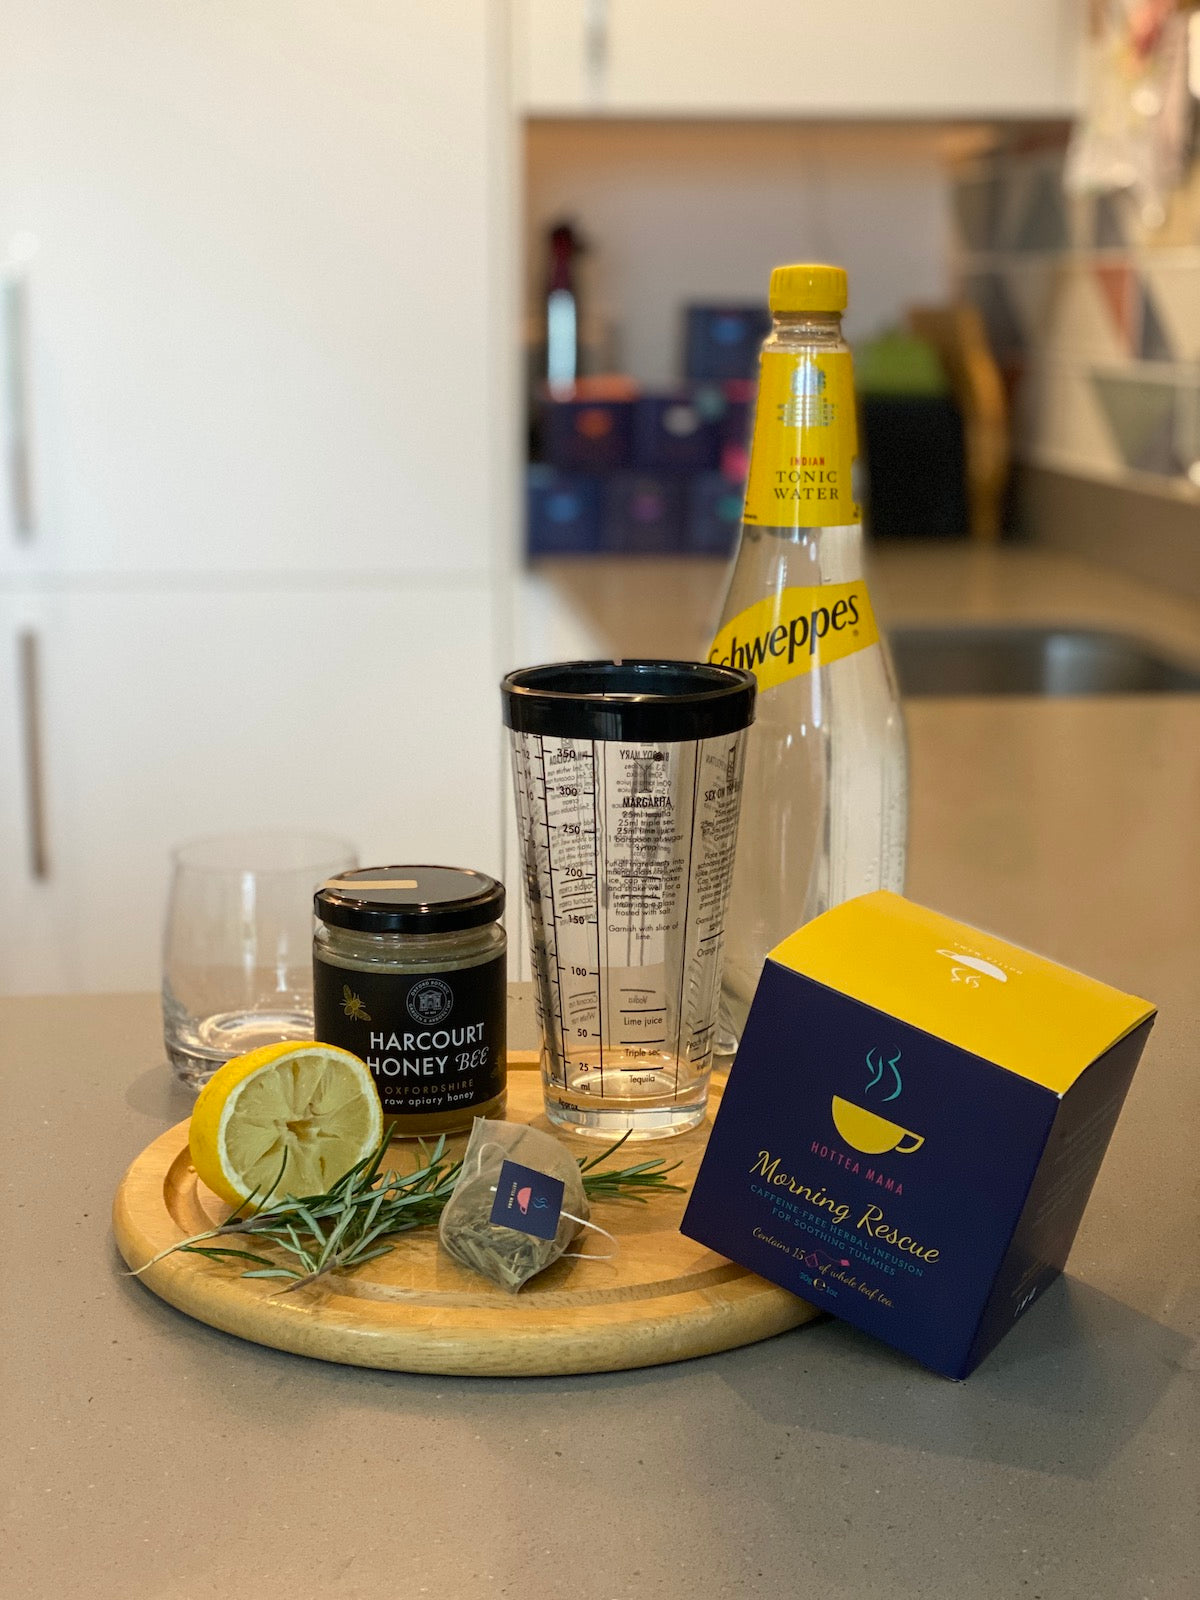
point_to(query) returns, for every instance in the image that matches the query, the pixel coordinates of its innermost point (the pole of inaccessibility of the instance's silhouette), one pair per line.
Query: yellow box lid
(1028, 1015)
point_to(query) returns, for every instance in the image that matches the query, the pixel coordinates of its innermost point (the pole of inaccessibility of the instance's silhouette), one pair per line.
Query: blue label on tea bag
(527, 1200)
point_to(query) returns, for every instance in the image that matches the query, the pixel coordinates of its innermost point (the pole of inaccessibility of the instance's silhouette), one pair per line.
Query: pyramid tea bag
(517, 1205)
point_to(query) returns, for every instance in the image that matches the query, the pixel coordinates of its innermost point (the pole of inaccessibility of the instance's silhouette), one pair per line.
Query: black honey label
(435, 1042)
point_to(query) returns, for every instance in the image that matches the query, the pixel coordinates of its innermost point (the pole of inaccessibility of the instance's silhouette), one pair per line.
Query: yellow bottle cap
(808, 286)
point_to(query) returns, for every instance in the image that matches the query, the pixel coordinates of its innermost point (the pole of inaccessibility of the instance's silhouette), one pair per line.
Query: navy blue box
(563, 510)
(586, 435)
(643, 513)
(913, 1124)
(737, 423)
(677, 432)
(714, 514)
(723, 341)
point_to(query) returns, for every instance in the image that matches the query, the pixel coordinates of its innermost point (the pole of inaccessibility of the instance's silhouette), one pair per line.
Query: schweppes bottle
(825, 804)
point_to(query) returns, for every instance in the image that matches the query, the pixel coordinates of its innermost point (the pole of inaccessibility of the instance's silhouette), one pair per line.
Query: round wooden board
(661, 1298)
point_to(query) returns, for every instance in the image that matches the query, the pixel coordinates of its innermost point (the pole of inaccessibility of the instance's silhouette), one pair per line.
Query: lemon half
(286, 1119)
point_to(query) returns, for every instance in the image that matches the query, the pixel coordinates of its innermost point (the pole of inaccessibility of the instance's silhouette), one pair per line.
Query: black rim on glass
(657, 702)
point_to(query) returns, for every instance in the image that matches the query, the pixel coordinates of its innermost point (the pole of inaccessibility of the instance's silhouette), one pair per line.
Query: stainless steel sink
(1038, 660)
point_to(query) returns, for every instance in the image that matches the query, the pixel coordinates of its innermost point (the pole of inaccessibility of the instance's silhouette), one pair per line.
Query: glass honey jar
(410, 973)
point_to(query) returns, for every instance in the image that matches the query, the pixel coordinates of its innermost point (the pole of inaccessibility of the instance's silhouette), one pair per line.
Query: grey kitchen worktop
(668, 606)
(148, 1457)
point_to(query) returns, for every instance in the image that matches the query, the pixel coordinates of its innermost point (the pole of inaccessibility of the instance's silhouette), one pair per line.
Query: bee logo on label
(353, 1006)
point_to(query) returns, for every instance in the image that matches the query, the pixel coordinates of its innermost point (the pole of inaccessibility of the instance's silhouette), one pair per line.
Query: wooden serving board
(660, 1298)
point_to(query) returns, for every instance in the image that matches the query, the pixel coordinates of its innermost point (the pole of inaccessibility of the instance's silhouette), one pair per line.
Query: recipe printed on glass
(629, 849)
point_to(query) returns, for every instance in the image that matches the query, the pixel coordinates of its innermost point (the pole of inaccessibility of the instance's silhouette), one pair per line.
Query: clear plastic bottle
(825, 803)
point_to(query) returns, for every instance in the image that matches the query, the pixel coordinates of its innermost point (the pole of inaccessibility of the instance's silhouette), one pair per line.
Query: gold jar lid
(415, 900)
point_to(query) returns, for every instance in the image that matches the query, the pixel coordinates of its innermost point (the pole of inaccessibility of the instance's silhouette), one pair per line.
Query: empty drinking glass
(237, 948)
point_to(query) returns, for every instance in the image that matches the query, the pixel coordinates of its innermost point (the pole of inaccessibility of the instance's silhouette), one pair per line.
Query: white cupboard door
(559, 55)
(879, 58)
(36, 933)
(371, 712)
(259, 248)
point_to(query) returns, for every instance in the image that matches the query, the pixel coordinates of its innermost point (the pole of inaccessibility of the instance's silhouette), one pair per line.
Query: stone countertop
(151, 1458)
(668, 606)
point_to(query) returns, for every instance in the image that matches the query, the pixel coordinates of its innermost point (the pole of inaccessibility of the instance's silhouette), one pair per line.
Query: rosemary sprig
(351, 1222)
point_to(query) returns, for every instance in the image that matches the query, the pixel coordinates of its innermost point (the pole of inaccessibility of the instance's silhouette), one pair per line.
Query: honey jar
(410, 973)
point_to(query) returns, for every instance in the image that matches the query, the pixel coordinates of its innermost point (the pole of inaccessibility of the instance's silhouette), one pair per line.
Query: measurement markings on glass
(697, 1051)
(572, 869)
(633, 879)
(687, 901)
(562, 1028)
(596, 880)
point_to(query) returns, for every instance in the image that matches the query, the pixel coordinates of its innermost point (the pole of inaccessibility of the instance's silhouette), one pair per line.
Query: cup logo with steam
(866, 1130)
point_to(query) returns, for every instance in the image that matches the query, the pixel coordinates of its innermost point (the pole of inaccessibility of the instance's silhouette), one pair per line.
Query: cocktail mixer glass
(628, 780)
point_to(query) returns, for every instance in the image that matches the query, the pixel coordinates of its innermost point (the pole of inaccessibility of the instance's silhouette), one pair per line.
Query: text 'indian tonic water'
(825, 803)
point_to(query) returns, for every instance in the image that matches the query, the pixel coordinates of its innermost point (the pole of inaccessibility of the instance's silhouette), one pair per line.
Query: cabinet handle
(31, 720)
(16, 382)
(595, 50)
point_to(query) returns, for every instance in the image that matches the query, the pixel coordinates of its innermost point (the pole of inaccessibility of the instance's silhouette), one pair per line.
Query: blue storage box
(714, 514)
(643, 513)
(723, 341)
(586, 435)
(563, 511)
(737, 423)
(678, 432)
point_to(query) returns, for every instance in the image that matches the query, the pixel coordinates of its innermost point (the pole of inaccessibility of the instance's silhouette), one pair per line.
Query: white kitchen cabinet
(258, 445)
(368, 711)
(788, 58)
(261, 254)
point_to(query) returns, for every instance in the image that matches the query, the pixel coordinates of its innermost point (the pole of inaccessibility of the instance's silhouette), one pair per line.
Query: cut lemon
(286, 1119)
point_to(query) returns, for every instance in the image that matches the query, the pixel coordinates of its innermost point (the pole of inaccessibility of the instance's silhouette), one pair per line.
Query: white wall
(678, 212)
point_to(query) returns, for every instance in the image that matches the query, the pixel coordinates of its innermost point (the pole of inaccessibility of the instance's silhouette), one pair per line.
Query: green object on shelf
(900, 363)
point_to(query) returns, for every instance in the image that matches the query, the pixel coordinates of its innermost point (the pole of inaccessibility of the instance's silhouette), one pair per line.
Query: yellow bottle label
(805, 442)
(792, 632)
